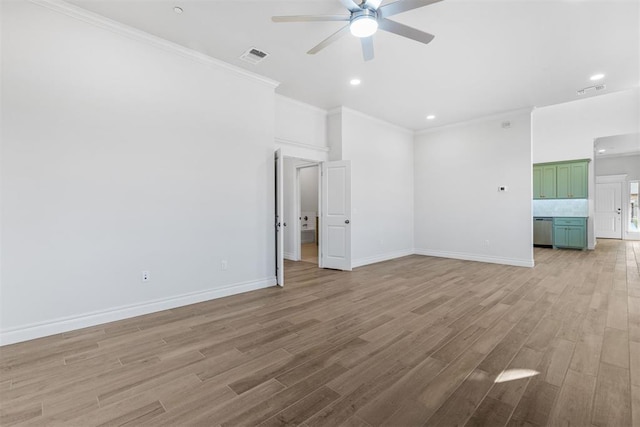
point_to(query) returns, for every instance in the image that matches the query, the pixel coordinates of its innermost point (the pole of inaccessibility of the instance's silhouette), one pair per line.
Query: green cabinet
(572, 180)
(570, 233)
(544, 182)
(561, 180)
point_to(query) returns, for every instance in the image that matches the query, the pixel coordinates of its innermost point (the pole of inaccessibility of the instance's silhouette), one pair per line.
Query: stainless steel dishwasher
(542, 231)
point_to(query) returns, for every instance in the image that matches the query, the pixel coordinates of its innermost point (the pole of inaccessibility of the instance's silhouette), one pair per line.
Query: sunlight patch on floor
(515, 374)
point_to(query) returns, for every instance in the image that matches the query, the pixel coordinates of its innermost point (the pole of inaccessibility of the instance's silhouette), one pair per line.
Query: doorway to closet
(301, 210)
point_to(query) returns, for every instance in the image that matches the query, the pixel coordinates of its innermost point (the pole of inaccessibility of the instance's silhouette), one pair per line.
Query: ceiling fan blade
(351, 5)
(367, 48)
(326, 42)
(372, 4)
(403, 6)
(309, 18)
(404, 31)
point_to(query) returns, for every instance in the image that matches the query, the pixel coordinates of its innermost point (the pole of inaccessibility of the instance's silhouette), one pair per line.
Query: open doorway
(301, 191)
(617, 173)
(308, 212)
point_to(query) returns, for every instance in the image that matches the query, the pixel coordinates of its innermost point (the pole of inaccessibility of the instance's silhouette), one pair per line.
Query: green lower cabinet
(570, 233)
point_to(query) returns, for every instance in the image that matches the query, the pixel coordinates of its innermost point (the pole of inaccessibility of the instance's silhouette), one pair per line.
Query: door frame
(278, 163)
(613, 179)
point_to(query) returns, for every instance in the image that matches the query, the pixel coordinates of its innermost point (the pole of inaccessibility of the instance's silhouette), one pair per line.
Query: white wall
(617, 165)
(459, 209)
(309, 189)
(567, 131)
(300, 129)
(381, 158)
(120, 156)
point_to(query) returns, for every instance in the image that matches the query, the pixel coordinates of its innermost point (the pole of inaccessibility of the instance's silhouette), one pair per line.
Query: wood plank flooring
(309, 253)
(413, 341)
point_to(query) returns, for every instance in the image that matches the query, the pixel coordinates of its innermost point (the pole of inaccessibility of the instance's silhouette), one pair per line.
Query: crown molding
(497, 116)
(84, 15)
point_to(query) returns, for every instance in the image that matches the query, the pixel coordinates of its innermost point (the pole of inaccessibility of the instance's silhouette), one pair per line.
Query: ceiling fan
(365, 18)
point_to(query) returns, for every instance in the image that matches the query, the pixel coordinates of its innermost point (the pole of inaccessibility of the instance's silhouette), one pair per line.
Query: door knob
(346, 221)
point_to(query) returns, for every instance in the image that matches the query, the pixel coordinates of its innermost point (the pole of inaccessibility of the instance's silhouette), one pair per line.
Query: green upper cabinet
(572, 180)
(544, 182)
(562, 180)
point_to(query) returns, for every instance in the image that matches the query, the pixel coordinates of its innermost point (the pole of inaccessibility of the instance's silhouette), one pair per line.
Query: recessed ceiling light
(602, 150)
(178, 10)
(596, 77)
(431, 117)
(354, 82)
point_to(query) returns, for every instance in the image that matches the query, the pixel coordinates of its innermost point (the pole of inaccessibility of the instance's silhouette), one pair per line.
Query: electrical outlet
(223, 265)
(146, 276)
(486, 243)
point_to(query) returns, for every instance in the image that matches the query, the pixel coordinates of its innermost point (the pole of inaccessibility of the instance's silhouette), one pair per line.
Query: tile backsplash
(561, 207)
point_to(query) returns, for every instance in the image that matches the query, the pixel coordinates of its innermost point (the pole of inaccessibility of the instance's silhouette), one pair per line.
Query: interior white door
(279, 187)
(335, 239)
(608, 211)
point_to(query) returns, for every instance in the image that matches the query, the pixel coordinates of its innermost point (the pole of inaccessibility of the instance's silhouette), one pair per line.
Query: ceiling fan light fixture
(364, 24)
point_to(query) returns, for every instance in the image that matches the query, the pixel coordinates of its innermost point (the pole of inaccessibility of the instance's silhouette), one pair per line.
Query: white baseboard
(474, 257)
(379, 258)
(66, 324)
(290, 256)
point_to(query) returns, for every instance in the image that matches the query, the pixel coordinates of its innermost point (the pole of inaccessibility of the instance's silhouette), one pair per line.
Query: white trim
(380, 258)
(344, 109)
(496, 116)
(473, 257)
(141, 36)
(279, 140)
(290, 256)
(302, 104)
(65, 324)
(607, 179)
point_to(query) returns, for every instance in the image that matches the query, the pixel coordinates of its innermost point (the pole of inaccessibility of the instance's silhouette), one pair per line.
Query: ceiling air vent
(591, 88)
(254, 55)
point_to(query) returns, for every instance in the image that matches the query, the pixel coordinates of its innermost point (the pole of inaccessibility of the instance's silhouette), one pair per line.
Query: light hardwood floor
(309, 253)
(412, 341)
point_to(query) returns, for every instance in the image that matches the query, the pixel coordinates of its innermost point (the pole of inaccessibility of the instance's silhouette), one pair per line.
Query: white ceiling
(618, 145)
(488, 57)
